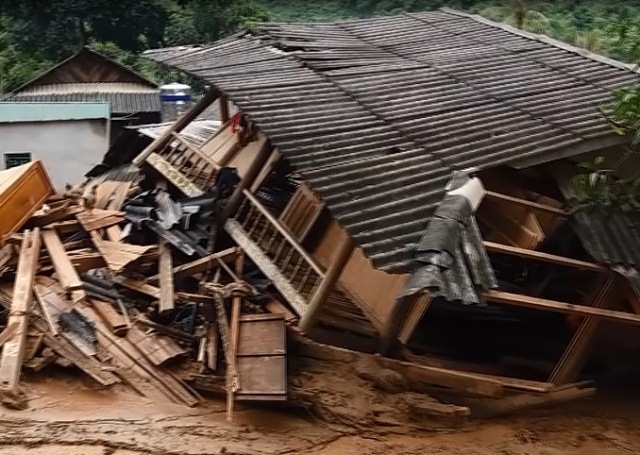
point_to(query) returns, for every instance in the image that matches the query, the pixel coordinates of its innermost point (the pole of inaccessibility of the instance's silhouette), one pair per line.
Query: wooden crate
(261, 358)
(23, 190)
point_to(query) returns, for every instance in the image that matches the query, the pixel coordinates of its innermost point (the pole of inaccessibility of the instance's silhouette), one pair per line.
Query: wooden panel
(301, 212)
(245, 156)
(262, 376)
(264, 338)
(23, 190)
(511, 225)
(261, 358)
(221, 147)
(374, 290)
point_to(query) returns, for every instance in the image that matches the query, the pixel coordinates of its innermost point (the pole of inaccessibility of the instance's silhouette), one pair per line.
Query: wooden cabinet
(23, 190)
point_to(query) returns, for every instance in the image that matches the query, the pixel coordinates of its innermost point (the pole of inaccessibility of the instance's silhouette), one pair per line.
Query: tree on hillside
(56, 28)
(520, 14)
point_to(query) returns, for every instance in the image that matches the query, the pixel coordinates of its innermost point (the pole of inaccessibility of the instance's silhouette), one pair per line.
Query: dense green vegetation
(33, 34)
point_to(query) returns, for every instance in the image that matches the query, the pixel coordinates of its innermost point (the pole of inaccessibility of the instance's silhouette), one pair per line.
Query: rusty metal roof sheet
(377, 113)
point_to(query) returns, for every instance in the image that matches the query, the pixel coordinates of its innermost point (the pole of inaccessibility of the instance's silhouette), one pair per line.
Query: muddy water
(69, 416)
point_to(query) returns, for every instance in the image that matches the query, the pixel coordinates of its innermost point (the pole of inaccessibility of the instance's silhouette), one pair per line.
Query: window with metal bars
(13, 159)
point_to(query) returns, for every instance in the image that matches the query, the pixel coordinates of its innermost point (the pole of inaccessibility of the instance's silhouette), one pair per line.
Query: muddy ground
(69, 416)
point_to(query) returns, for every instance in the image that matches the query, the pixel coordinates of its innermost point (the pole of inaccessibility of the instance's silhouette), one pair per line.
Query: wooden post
(165, 138)
(574, 357)
(326, 285)
(13, 350)
(224, 108)
(235, 327)
(165, 266)
(252, 173)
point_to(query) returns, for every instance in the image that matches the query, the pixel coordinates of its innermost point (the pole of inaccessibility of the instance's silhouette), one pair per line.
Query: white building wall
(68, 149)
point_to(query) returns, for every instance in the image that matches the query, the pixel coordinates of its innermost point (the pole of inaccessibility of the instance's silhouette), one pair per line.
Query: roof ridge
(546, 40)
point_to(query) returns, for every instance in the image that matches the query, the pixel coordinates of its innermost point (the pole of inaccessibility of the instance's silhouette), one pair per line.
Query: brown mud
(70, 416)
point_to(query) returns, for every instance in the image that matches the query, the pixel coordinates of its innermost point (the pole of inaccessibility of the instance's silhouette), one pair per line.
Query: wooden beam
(201, 265)
(165, 266)
(526, 301)
(533, 206)
(224, 108)
(543, 257)
(67, 274)
(339, 260)
(165, 138)
(13, 350)
(417, 375)
(260, 159)
(235, 327)
(515, 403)
(574, 357)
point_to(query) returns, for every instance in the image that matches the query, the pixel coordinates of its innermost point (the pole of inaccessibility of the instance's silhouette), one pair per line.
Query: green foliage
(597, 186)
(522, 14)
(35, 33)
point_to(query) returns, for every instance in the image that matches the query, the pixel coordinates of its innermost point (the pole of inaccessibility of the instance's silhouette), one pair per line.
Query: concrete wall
(68, 149)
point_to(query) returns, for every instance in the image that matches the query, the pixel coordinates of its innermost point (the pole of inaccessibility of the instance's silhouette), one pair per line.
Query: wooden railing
(279, 246)
(185, 166)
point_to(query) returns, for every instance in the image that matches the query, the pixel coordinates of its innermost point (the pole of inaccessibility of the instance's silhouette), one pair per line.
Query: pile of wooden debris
(76, 292)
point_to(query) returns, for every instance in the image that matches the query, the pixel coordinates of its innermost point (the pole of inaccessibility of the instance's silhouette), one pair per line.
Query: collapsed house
(382, 121)
(396, 185)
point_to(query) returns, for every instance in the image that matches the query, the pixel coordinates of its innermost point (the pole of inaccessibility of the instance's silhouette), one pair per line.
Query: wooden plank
(417, 375)
(13, 350)
(260, 259)
(201, 265)
(54, 216)
(112, 319)
(99, 219)
(521, 402)
(274, 306)
(139, 286)
(118, 255)
(65, 271)
(165, 266)
(507, 382)
(543, 257)
(574, 357)
(534, 206)
(8, 332)
(104, 191)
(560, 307)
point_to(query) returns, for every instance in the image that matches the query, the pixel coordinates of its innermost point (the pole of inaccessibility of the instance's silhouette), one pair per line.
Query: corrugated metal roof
(196, 132)
(377, 113)
(123, 97)
(46, 112)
